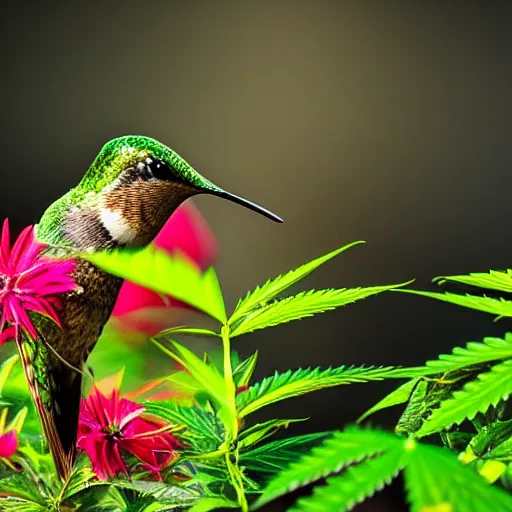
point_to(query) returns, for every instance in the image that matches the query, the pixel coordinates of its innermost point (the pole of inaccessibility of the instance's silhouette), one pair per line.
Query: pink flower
(146, 311)
(9, 436)
(109, 426)
(8, 444)
(29, 281)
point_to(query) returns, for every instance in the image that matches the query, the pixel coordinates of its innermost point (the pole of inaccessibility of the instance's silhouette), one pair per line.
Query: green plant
(227, 461)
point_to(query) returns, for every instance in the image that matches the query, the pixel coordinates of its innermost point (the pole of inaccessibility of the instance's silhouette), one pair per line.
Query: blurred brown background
(352, 120)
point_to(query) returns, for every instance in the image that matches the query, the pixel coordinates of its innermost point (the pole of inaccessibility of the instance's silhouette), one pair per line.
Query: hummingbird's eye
(160, 170)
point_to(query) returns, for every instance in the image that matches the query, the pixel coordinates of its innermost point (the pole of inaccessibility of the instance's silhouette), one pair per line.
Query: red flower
(108, 426)
(188, 232)
(29, 282)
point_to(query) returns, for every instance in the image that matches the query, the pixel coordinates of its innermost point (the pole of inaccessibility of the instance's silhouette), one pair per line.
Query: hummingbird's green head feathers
(130, 190)
(123, 153)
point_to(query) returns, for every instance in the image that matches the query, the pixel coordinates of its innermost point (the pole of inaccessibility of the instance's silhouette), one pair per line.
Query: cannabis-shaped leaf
(262, 308)
(493, 280)
(435, 478)
(460, 363)
(476, 396)
(303, 305)
(261, 295)
(299, 382)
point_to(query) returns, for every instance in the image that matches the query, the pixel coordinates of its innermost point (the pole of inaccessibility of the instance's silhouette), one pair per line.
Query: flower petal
(5, 247)
(8, 444)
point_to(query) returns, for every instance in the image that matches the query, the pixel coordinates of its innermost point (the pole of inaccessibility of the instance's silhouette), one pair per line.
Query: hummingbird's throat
(117, 227)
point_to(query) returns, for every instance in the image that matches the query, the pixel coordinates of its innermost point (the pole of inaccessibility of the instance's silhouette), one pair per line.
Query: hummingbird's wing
(63, 461)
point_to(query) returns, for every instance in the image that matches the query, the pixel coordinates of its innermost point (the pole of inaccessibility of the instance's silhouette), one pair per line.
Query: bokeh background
(388, 122)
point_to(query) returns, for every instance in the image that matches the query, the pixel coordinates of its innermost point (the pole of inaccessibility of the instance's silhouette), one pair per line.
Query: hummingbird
(130, 190)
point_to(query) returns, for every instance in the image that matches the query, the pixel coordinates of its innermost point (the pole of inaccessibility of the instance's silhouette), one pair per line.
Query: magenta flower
(146, 311)
(8, 444)
(9, 435)
(29, 281)
(110, 426)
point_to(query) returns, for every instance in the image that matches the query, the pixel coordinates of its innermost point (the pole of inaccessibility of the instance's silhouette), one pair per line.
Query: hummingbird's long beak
(248, 204)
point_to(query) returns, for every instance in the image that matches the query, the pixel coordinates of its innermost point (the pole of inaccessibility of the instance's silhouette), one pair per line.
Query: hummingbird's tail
(58, 418)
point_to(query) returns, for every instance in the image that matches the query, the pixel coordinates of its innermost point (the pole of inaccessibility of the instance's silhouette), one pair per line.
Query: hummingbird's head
(134, 184)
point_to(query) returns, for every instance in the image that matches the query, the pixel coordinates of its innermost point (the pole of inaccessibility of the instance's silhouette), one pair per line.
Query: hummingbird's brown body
(125, 198)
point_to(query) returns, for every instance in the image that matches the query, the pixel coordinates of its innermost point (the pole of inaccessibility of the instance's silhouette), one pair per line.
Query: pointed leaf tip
(261, 295)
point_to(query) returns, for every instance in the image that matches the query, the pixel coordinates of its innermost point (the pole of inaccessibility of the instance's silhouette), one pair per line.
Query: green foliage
(475, 353)
(434, 476)
(302, 305)
(270, 458)
(174, 275)
(294, 383)
(499, 307)
(261, 295)
(339, 450)
(358, 483)
(396, 397)
(207, 504)
(225, 461)
(261, 431)
(207, 376)
(242, 374)
(492, 280)
(6, 369)
(201, 432)
(476, 396)
(452, 368)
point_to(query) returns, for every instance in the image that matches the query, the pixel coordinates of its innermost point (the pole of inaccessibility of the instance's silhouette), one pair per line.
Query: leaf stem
(228, 377)
(237, 481)
(232, 467)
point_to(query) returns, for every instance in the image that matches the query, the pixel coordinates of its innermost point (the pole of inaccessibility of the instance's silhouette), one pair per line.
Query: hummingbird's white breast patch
(118, 228)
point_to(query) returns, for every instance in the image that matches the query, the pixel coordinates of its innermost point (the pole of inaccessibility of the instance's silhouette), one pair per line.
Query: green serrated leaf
(15, 505)
(20, 486)
(411, 419)
(492, 280)
(167, 274)
(210, 380)
(273, 287)
(192, 331)
(474, 353)
(498, 307)
(302, 305)
(99, 496)
(294, 383)
(203, 432)
(476, 396)
(435, 478)
(399, 396)
(271, 458)
(340, 450)
(502, 452)
(242, 374)
(261, 431)
(165, 493)
(79, 479)
(358, 483)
